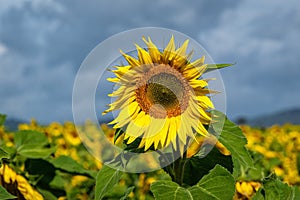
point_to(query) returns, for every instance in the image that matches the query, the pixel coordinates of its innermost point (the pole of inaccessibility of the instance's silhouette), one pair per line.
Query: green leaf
(275, 189)
(2, 119)
(219, 184)
(168, 190)
(58, 181)
(5, 195)
(297, 193)
(128, 191)
(211, 67)
(42, 171)
(234, 140)
(106, 179)
(47, 194)
(258, 195)
(3, 154)
(67, 164)
(196, 167)
(30, 137)
(35, 151)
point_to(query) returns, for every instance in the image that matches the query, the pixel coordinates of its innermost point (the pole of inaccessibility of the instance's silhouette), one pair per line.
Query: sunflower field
(50, 162)
(166, 141)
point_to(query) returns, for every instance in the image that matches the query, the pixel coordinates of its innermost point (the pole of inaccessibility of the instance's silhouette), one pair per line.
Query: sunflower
(161, 96)
(17, 184)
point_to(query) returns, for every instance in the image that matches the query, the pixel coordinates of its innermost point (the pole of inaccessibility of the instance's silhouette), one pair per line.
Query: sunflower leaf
(273, 188)
(67, 164)
(234, 140)
(218, 184)
(5, 195)
(42, 171)
(106, 179)
(196, 167)
(3, 155)
(211, 67)
(35, 151)
(31, 137)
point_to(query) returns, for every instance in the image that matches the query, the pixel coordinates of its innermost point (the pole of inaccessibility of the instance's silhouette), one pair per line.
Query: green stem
(179, 165)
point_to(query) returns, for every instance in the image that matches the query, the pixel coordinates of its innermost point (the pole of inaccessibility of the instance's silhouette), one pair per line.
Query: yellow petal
(121, 70)
(194, 72)
(169, 51)
(198, 110)
(182, 50)
(148, 143)
(164, 133)
(131, 60)
(142, 143)
(137, 126)
(199, 128)
(126, 114)
(198, 83)
(122, 90)
(121, 102)
(153, 50)
(172, 132)
(143, 55)
(156, 125)
(131, 139)
(204, 102)
(113, 80)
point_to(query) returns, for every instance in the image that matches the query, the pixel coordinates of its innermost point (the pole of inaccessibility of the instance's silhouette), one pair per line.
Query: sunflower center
(162, 91)
(165, 89)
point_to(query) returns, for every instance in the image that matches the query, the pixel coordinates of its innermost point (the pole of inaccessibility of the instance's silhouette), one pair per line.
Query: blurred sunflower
(17, 184)
(161, 96)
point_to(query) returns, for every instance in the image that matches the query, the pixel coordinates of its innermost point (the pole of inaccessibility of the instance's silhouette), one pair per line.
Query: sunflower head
(161, 96)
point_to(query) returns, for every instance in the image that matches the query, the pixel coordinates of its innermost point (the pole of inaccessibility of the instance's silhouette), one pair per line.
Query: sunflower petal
(169, 51)
(153, 51)
(182, 50)
(131, 60)
(143, 55)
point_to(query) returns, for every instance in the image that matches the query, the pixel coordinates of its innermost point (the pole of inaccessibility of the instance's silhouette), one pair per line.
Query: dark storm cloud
(263, 40)
(42, 44)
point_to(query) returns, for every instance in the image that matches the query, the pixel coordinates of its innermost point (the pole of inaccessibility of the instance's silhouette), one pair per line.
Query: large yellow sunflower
(161, 96)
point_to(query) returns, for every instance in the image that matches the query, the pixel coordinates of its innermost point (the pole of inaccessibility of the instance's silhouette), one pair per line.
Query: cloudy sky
(43, 43)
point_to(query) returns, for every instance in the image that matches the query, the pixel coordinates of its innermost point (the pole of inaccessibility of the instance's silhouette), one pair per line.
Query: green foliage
(106, 179)
(65, 163)
(27, 137)
(196, 167)
(274, 189)
(5, 195)
(34, 151)
(43, 170)
(32, 144)
(211, 67)
(128, 191)
(3, 155)
(234, 140)
(33, 155)
(49, 175)
(47, 194)
(218, 184)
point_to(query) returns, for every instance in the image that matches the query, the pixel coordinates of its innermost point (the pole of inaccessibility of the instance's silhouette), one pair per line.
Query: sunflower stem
(179, 165)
